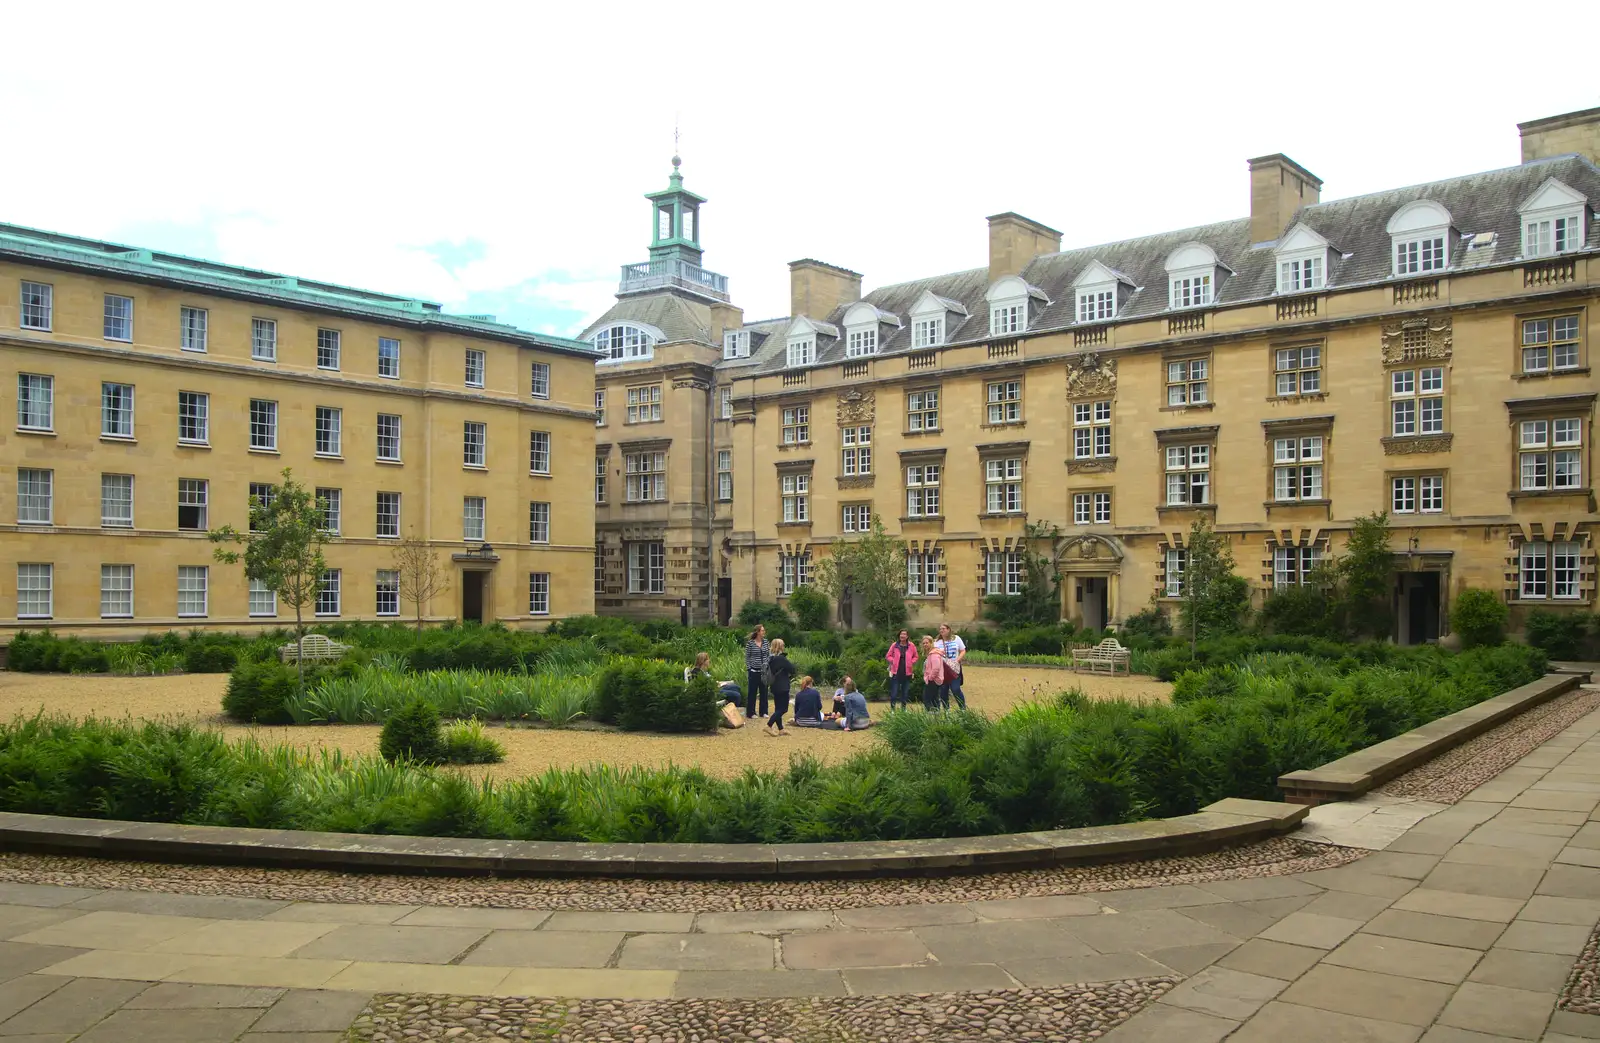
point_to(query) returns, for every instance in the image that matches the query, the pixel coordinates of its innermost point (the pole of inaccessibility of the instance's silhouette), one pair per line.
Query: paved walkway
(1460, 928)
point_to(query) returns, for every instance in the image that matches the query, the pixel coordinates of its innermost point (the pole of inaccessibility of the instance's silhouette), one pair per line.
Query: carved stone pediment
(1093, 465)
(1090, 376)
(1419, 444)
(857, 406)
(1089, 550)
(1422, 339)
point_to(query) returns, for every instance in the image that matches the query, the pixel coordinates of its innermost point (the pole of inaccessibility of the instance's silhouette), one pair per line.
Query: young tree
(421, 579)
(1039, 602)
(1366, 573)
(282, 549)
(873, 566)
(1214, 599)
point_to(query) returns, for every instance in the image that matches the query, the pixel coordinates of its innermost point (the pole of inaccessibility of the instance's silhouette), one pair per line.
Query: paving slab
(699, 952)
(768, 922)
(1494, 881)
(1494, 1010)
(1159, 1023)
(1348, 878)
(1515, 969)
(210, 907)
(342, 912)
(1402, 956)
(1068, 970)
(1571, 882)
(1486, 855)
(826, 950)
(588, 984)
(1440, 930)
(1569, 1022)
(1454, 903)
(169, 996)
(382, 944)
(1274, 959)
(171, 1026)
(1225, 993)
(895, 981)
(545, 949)
(489, 919)
(1257, 888)
(1386, 997)
(1532, 936)
(1001, 941)
(1550, 909)
(245, 938)
(1579, 856)
(891, 916)
(113, 930)
(319, 1010)
(72, 1008)
(758, 984)
(630, 923)
(129, 966)
(1191, 959)
(21, 993)
(1423, 843)
(1143, 931)
(1403, 864)
(1036, 908)
(22, 919)
(1347, 905)
(44, 895)
(1311, 929)
(1170, 897)
(17, 960)
(293, 1037)
(277, 972)
(1280, 1022)
(1235, 918)
(1446, 1034)
(375, 976)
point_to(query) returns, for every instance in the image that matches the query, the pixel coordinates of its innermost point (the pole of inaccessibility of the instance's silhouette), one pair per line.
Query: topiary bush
(258, 691)
(1561, 635)
(643, 695)
(412, 734)
(1479, 617)
(765, 613)
(465, 742)
(212, 653)
(810, 607)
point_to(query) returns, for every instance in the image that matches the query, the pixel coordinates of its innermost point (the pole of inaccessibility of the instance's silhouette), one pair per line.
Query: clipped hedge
(641, 695)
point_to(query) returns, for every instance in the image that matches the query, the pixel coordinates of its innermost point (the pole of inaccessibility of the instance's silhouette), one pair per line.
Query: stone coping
(1227, 822)
(1355, 774)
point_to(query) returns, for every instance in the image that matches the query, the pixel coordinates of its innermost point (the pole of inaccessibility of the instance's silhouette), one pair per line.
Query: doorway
(724, 600)
(1092, 592)
(1417, 607)
(472, 596)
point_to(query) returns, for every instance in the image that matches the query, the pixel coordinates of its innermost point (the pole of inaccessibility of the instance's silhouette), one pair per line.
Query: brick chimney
(1015, 240)
(1278, 187)
(817, 288)
(1558, 135)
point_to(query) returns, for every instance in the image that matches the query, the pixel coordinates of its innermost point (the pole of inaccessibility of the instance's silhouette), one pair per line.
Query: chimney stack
(1015, 240)
(1558, 135)
(817, 288)
(1278, 187)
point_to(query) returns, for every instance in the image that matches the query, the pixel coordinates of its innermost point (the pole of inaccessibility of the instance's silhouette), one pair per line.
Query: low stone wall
(1351, 776)
(1227, 822)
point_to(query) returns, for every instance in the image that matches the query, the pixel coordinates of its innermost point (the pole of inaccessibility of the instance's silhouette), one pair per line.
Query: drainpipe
(711, 498)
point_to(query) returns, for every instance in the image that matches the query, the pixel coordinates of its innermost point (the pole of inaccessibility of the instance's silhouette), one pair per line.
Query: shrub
(1479, 617)
(1302, 609)
(412, 734)
(1560, 635)
(822, 642)
(641, 695)
(1148, 624)
(765, 613)
(466, 743)
(810, 608)
(258, 692)
(212, 653)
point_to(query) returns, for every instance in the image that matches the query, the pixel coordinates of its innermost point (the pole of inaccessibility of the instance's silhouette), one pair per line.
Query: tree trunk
(300, 646)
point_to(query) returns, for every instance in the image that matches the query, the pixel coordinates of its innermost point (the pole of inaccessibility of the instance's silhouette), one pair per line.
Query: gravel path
(1270, 858)
(1067, 1014)
(1453, 774)
(1582, 993)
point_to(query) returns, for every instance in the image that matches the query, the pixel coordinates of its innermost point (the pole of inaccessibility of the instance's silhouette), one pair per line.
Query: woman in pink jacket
(935, 676)
(901, 657)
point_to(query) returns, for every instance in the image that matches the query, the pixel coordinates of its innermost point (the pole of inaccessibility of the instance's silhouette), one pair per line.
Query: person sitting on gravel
(701, 667)
(807, 705)
(855, 709)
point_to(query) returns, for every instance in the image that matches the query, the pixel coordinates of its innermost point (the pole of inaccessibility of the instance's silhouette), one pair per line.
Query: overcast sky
(493, 158)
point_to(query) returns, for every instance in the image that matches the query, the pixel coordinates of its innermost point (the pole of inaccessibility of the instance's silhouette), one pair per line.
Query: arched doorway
(1090, 567)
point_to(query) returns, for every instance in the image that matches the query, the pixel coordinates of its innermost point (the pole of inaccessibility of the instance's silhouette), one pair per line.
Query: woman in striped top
(756, 654)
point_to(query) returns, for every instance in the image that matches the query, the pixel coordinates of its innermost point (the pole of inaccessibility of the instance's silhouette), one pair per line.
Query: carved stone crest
(1094, 465)
(1422, 339)
(857, 406)
(1424, 444)
(1088, 375)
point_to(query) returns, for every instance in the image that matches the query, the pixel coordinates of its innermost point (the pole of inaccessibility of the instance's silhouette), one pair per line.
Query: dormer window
(1099, 292)
(626, 342)
(861, 342)
(927, 333)
(1010, 306)
(1192, 275)
(929, 319)
(736, 344)
(1302, 261)
(1553, 220)
(863, 324)
(1421, 234)
(802, 350)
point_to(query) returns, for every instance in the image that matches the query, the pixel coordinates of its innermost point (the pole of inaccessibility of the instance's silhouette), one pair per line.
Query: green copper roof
(64, 251)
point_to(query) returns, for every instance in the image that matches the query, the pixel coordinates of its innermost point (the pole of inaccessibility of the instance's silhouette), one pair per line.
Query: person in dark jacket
(756, 653)
(780, 674)
(901, 657)
(807, 705)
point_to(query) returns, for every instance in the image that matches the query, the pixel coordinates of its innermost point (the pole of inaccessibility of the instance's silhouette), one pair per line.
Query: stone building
(156, 394)
(1422, 351)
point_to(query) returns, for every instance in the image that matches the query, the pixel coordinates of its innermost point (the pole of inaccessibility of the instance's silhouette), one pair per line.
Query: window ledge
(48, 432)
(538, 474)
(1535, 494)
(1269, 504)
(908, 433)
(328, 456)
(474, 387)
(1004, 425)
(1314, 396)
(1193, 405)
(922, 518)
(264, 452)
(1546, 374)
(1022, 515)
(194, 445)
(474, 467)
(123, 439)
(329, 369)
(380, 460)
(1542, 602)
(794, 525)
(786, 446)
(720, 499)
(1186, 507)
(272, 361)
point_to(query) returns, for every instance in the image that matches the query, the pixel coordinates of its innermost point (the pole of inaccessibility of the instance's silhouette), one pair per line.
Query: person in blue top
(855, 715)
(807, 705)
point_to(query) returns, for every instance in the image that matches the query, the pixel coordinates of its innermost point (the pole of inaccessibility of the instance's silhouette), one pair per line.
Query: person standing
(934, 682)
(780, 673)
(955, 652)
(756, 654)
(901, 657)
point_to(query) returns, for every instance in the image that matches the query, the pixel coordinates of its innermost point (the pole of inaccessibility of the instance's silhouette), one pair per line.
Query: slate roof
(1356, 229)
(677, 317)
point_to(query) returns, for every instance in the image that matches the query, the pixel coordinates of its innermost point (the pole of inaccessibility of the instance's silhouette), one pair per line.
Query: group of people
(770, 674)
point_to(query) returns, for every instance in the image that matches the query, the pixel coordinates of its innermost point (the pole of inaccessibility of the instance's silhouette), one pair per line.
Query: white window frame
(1550, 454)
(36, 306)
(328, 597)
(725, 403)
(194, 410)
(1303, 271)
(329, 431)
(1091, 508)
(36, 402)
(1293, 566)
(1190, 288)
(538, 452)
(802, 350)
(116, 501)
(796, 424)
(118, 324)
(1176, 560)
(389, 358)
(601, 464)
(1550, 570)
(644, 404)
(264, 339)
(599, 407)
(724, 475)
(922, 409)
(646, 477)
(263, 425)
(194, 493)
(476, 365)
(390, 531)
(539, 380)
(1552, 343)
(389, 420)
(33, 579)
(538, 593)
(116, 410)
(856, 450)
(1189, 381)
(1552, 231)
(331, 503)
(1091, 429)
(1297, 370)
(198, 579)
(923, 496)
(1188, 471)
(647, 567)
(927, 332)
(328, 349)
(922, 574)
(474, 444)
(860, 341)
(624, 342)
(1097, 302)
(1002, 482)
(386, 593)
(192, 323)
(1297, 474)
(1416, 401)
(1004, 572)
(794, 570)
(795, 492)
(735, 344)
(855, 517)
(116, 591)
(36, 496)
(474, 511)
(1009, 317)
(261, 600)
(538, 521)
(1005, 402)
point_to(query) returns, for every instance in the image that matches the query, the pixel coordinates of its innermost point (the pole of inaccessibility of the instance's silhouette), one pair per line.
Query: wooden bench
(313, 646)
(1108, 653)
